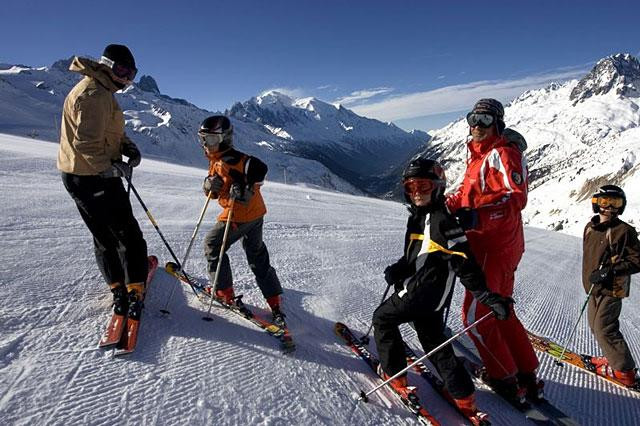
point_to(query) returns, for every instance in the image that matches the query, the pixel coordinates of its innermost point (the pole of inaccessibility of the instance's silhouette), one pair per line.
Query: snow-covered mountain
(303, 141)
(359, 149)
(580, 134)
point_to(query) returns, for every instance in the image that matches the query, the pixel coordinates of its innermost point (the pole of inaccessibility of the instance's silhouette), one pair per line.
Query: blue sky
(417, 63)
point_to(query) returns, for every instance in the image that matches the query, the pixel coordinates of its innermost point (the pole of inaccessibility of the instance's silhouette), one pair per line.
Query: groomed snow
(329, 250)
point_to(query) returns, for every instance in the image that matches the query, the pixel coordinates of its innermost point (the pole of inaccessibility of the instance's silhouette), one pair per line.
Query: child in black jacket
(436, 250)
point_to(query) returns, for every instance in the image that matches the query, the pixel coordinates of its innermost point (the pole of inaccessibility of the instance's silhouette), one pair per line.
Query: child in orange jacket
(234, 175)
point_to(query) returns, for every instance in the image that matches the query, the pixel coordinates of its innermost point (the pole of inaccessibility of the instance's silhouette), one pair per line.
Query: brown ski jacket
(615, 244)
(92, 130)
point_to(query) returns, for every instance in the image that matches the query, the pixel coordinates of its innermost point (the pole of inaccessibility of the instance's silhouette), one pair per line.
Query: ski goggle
(419, 185)
(608, 201)
(119, 70)
(211, 140)
(480, 120)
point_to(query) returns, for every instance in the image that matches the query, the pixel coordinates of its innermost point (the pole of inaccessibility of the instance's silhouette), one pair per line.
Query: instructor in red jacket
(489, 201)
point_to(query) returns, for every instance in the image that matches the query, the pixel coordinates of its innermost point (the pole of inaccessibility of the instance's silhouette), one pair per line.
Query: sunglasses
(119, 70)
(419, 185)
(210, 139)
(607, 201)
(480, 120)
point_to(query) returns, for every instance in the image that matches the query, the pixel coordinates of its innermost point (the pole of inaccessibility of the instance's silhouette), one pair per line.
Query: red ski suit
(495, 185)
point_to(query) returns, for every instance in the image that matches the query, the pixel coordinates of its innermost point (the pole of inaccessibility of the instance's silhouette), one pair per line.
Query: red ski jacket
(495, 185)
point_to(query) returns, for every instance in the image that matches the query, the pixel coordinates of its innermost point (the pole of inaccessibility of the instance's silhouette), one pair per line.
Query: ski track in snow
(329, 250)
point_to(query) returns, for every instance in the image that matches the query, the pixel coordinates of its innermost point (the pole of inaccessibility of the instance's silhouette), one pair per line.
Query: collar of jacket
(598, 226)
(92, 69)
(217, 155)
(478, 148)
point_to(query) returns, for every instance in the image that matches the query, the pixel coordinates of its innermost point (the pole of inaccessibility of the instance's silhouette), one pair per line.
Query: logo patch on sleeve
(516, 177)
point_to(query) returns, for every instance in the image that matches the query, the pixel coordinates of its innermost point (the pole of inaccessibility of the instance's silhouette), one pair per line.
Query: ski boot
(226, 295)
(598, 361)
(508, 388)
(467, 406)
(626, 377)
(277, 314)
(400, 383)
(135, 295)
(534, 388)
(120, 300)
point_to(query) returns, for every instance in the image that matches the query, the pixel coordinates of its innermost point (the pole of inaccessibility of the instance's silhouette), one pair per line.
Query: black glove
(133, 153)
(467, 218)
(240, 192)
(117, 169)
(396, 273)
(212, 184)
(500, 306)
(601, 277)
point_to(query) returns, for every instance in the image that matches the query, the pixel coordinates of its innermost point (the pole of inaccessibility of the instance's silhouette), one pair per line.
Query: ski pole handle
(364, 395)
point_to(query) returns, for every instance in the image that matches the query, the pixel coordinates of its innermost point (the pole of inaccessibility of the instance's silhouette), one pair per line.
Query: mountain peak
(273, 97)
(62, 64)
(148, 84)
(620, 72)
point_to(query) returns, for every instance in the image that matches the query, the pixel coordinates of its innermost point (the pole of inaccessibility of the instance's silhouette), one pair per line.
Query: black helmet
(216, 132)
(492, 107)
(420, 167)
(609, 191)
(120, 60)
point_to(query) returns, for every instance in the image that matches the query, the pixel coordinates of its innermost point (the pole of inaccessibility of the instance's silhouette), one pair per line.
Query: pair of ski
(582, 361)
(410, 400)
(282, 334)
(122, 330)
(536, 410)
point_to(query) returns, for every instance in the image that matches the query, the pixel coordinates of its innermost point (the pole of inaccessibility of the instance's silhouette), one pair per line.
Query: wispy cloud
(331, 87)
(359, 95)
(462, 96)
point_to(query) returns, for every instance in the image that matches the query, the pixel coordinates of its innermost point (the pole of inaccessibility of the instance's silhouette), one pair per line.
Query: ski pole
(186, 255)
(129, 184)
(155, 225)
(218, 267)
(365, 338)
(566, 345)
(364, 396)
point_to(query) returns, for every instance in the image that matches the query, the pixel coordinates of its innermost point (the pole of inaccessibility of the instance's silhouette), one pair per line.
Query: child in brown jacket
(611, 253)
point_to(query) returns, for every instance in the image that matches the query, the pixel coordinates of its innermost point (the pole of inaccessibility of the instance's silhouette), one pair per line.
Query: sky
(420, 64)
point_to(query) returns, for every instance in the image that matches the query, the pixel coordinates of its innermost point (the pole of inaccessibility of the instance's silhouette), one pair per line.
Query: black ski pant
(120, 249)
(604, 319)
(254, 248)
(429, 327)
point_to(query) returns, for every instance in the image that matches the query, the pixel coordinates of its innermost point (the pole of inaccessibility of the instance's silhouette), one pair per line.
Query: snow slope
(329, 250)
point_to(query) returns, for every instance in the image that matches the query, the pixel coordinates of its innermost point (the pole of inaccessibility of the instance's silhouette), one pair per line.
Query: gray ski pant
(254, 248)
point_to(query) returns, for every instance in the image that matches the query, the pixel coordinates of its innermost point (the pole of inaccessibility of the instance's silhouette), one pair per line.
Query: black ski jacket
(435, 251)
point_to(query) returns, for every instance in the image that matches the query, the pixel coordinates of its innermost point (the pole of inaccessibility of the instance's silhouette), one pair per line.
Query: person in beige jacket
(92, 143)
